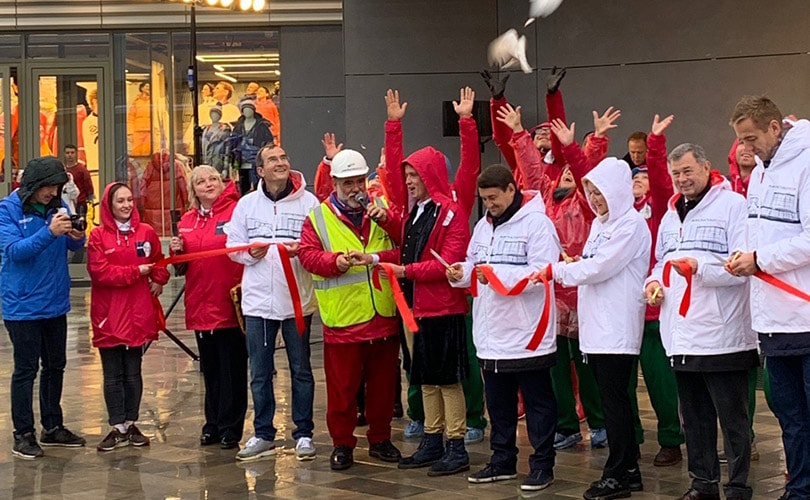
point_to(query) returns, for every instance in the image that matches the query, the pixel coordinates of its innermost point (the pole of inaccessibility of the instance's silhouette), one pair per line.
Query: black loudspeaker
(480, 115)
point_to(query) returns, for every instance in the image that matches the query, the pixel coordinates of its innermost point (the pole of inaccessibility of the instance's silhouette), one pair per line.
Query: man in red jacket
(439, 354)
(340, 244)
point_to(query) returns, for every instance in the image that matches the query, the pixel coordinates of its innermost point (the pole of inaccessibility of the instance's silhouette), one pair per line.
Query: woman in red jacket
(125, 285)
(209, 310)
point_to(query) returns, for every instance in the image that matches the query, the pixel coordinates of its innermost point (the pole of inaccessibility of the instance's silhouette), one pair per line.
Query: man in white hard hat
(340, 245)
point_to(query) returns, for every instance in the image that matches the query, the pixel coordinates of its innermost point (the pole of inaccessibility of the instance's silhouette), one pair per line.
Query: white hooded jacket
(779, 232)
(719, 319)
(257, 218)
(503, 326)
(614, 263)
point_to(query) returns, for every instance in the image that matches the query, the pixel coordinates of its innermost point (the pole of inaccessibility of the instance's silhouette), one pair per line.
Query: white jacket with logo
(611, 272)
(257, 218)
(779, 231)
(503, 326)
(719, 319)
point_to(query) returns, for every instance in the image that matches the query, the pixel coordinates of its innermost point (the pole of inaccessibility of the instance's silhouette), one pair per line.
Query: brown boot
(667, 456)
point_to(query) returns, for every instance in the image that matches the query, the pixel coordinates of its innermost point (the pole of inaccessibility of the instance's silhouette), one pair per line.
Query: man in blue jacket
(35, 236)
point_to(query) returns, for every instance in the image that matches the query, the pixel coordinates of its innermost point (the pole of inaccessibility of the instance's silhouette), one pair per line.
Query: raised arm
(529, 162)
(323, 176)
(394, 154)
(597, 145)
(660, 182)
(467, 174)
(556, 111)
(501, 133)
(572, 153)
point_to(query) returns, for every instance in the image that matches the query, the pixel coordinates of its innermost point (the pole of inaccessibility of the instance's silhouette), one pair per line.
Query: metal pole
(193, 87)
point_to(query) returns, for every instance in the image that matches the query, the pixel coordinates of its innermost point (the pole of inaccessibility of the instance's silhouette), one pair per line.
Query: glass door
(9, 137)
(70, 112)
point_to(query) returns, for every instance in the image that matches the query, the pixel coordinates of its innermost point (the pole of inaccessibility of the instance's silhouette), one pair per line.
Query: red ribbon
(774, 281)
(286, 265)
(399, 297)
(520, 286)
(161, 318)
(686, 269)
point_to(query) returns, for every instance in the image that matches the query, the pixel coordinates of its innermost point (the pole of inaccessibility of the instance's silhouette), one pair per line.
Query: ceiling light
(226, 3)
(245, 4)
(225, 76)
(258, 5)
(212, 3)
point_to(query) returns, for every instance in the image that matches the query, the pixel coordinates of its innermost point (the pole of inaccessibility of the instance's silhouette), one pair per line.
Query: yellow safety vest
(351, 298)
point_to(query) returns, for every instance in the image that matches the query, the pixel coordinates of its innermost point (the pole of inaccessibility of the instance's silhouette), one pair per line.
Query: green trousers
(562, 382)
(473, 389)
(661, 387)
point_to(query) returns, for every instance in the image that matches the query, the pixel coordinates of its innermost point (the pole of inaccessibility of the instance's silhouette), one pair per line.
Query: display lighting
(243, 5)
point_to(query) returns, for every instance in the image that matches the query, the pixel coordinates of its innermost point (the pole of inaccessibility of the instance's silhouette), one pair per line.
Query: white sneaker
(304, 449)
(256, 448)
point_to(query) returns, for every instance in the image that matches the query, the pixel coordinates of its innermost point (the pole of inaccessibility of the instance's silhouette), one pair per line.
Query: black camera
(78, 222)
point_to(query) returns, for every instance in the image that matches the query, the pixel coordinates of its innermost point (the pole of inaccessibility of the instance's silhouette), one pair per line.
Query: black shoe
(228, 443)
(61, 436)
(398, 412)
(455, 459)
(785, 496)
(136, 437)
(430, 451)
(385, 451)
(606, 489)
(114, 439)
(342, 458)
(634, 480)
(361, 420)
(490, 474)
(537, 480)
(694, 494)
(207, 439)
(25, 446)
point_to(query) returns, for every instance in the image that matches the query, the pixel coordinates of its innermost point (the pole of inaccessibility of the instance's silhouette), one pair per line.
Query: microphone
(362, 199)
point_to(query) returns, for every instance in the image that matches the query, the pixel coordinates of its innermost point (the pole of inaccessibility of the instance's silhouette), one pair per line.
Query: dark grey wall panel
(304, 121)
(596, 32)
(417, 36)
(701, 95)
(312, 62)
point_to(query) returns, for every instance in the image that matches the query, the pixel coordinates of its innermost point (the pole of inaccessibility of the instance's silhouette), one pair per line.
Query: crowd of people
(583, 268)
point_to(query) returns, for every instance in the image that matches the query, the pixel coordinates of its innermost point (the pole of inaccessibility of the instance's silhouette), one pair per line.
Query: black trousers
(123, 384)
(612, 372)
(224, 362)
(705, 397)
(501, 391)
(34, 341)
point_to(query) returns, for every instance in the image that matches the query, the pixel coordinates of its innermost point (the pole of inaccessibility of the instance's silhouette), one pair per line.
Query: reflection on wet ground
(176, 467)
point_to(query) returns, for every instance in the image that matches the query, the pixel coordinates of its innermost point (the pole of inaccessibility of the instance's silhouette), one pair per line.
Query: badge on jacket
(144, 248)
(222, 228)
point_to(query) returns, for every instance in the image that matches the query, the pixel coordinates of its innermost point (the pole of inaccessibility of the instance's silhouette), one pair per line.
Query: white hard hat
(348, 163)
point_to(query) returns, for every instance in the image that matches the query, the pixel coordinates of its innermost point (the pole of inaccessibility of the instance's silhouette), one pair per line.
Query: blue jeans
(261, 346)
(790, 394)
(35, 340)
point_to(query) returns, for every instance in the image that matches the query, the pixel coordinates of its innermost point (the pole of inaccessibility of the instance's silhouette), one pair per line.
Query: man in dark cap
(35, 235)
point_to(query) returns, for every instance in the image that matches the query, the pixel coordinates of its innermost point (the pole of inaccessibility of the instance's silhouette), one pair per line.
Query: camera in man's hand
(78, 222)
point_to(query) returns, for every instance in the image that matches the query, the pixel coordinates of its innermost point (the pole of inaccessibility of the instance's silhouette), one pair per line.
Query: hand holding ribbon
(684, 269)
(399, 297)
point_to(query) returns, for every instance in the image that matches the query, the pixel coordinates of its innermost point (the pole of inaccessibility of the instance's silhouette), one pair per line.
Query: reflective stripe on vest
(350, 299)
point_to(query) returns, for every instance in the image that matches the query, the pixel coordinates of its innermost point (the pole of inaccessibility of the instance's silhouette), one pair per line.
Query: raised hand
(659, 126)
(601, 124)
(496, 87)
(330, 146)
(563, 133)
(466, 100)
(554, 79)
(510, 116)
(395, 110)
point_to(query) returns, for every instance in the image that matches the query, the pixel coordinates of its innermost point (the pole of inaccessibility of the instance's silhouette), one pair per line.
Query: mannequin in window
(267, 108)
(216, 143)
(249, 135)
(250, 91)
(277, 94)
(90, 133)
(139, 122)
(223, 91)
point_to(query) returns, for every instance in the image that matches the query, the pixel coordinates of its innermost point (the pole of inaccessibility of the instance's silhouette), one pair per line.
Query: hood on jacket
(717, 182)
(107, 219)
(431, 166)
(733, 168)
(298, 181)
(612, 178)
(228, 196)
(41, 172)
(795, 140)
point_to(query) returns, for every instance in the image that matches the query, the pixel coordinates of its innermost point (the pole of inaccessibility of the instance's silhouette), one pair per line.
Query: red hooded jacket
(738, 184)
(121, 307)
(209, 281)
(432, 294)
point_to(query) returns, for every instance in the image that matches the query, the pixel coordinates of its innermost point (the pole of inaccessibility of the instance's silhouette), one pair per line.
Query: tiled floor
(176, 467)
